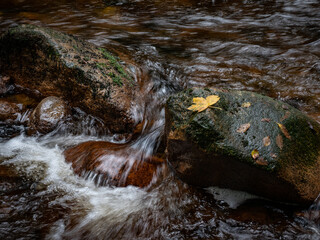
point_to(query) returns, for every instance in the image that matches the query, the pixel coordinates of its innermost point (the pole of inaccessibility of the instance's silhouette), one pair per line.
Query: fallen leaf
(255, 153)
(265, 120)
(279, 141)
(243, 128)
(246, 104)
(200, 104)
(261, 161)
(266, 141)
(286, 115)
(273, 155)
(284, 130)
(212, 99)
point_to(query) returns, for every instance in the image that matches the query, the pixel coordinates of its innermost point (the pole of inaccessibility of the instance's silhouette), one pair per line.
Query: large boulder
(245, 141)
(112, 164)
(58, 64)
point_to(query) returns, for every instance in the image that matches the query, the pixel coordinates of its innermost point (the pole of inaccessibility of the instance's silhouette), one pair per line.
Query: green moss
(116, 79)
(115, 64)
(102, 66)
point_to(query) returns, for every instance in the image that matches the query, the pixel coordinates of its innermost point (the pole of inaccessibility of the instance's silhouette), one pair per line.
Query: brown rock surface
(58, 64)
(8, 110)
(47, 115)
(111, 164)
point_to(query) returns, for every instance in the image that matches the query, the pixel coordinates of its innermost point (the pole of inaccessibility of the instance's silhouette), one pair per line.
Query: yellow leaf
(200, 104)
(243, 128)
(284, 130)
(212, 99)
(246, 104)
(255, 153)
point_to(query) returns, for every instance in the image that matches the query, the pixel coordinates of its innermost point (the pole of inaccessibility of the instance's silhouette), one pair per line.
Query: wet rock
(58, 64)
(8, 111)
(249, 142)
(4, 85)
(48, 114)
(111, 164)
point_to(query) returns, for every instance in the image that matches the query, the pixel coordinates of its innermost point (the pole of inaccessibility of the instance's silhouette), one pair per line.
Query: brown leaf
(286, 115)
(279, 141)
(265, 120)
(261, 161)
(246, 104)
(243, 128)
(255, 153)
(284, 130)
(266, 141)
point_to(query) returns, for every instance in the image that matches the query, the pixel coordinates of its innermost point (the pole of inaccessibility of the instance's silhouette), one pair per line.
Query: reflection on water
(271, 47)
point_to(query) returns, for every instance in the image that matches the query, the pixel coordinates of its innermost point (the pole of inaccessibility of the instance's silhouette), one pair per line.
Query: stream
(271, 47)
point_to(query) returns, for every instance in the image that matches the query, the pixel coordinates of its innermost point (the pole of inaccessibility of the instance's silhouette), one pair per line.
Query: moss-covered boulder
(247, 142)
(82, 74)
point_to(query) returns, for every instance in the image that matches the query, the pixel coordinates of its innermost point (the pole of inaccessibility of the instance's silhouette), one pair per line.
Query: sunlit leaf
(279, 141)
(266, 141)
(255, 153)
(200, 104)
(261, 161)
(246, 104)
(284, 130)
(243, 128)
(212, 99)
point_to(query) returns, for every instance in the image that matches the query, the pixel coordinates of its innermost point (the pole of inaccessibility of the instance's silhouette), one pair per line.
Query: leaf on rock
(279, 141)
(273, 155)
(266, 141)
(284, 130)
(212, 99)
(265, 120)
(261, 161)
(243, 128)
(286, 115)
(200, 104)
(246, 104)
(255, 154)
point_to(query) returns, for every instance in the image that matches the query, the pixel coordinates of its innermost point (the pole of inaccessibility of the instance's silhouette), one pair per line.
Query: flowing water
(271, 47)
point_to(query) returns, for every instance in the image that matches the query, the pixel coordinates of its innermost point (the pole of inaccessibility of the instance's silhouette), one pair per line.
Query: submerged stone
(112, 164)
(8, 110)
(58, 64)
(249, 142)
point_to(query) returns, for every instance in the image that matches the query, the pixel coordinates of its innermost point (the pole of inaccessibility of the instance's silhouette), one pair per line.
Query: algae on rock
(58, 64)
(218, 153)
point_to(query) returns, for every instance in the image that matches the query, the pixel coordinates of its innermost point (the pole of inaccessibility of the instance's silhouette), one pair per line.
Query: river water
(271, 47)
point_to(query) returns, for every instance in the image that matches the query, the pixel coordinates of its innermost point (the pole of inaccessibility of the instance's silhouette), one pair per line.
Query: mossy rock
(214, 147)
(55, 63)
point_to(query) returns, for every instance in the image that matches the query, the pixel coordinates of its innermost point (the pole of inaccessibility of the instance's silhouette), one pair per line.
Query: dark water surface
(270, 47)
